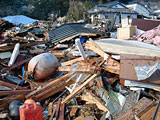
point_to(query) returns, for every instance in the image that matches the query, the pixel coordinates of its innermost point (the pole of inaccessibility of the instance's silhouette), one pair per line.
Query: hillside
(41, 9)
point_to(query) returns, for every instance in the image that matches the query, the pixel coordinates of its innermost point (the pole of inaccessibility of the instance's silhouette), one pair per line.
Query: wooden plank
(50, 106)
(47, 86)
(149, 114)
(76, 90)
(58, 108)
(93, 43)
(127, 71)
(67, 39)
(81, 68)
(17, 92)
(13, 86)
(53, 113)
(139, 109)
(70, 62)
(14, 66)
(96, 50)
(62, 111)
(59, 55)
(52, 91)
(34, 36)
(19, 38)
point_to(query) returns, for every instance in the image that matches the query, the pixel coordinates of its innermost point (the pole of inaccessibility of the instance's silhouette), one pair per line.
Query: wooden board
(149, 114)
(127, 63)
(139, 109)
(70, 62)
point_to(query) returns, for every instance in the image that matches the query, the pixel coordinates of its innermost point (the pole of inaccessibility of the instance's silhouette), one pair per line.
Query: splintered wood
(50, 88)
(139, 109)
(111, 65)
(91, 98)
(79, 88)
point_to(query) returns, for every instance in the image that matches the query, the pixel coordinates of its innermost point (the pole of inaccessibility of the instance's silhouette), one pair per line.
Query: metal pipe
(155, 112)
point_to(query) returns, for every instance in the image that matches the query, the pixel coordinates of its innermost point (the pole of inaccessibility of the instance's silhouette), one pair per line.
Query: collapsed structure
(76, 72)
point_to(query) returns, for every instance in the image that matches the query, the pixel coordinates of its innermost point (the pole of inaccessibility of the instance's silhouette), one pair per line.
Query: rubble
(78, 73)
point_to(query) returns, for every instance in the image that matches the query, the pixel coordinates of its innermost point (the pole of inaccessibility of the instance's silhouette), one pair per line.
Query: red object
(30, 111)
(3, 36)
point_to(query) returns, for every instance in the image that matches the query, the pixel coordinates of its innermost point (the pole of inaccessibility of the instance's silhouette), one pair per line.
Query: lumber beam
(76, 90)
(17, 92)
(49, 85)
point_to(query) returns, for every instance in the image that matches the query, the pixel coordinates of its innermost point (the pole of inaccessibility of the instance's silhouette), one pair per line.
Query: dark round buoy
(14, 104)
(14, 112)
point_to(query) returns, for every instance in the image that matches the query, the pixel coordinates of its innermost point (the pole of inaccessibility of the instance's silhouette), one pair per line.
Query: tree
(100, 2)
(87, 5)
(75, 11)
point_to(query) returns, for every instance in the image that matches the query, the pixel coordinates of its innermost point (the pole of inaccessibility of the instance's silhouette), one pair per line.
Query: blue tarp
(19, 19)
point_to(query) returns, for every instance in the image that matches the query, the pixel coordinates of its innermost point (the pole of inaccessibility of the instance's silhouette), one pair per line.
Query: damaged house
(109, 10)
(142, 10)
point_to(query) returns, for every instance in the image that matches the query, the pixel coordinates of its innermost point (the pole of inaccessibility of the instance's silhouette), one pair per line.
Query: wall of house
(126, 19)
(111, 15)
(104, 16)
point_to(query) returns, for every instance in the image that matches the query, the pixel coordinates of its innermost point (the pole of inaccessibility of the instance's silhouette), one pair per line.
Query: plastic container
(30, 111)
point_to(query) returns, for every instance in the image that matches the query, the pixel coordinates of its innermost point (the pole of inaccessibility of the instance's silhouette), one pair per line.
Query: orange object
(30, 111)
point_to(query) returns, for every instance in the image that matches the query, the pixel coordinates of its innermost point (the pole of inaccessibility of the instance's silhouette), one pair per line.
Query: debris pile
(73, 72)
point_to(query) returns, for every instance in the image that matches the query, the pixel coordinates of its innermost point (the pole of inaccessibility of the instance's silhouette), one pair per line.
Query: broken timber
(50, 88)
(111, 65)
(76, 90)
(17, 92)
(91, 98)
(14, 66)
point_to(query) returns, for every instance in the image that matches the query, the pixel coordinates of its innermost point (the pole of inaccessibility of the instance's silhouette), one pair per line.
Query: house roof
(112, 4)
(147, 8)
(109, 10)
(69, 30)
(145, 25)
(108, 7)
